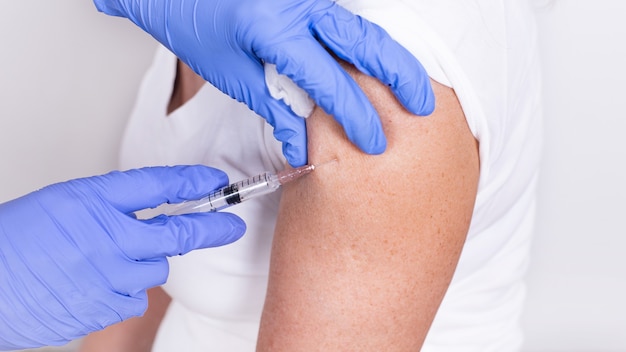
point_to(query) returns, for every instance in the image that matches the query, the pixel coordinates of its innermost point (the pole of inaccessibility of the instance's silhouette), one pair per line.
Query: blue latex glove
(226, 41)
(73, 259)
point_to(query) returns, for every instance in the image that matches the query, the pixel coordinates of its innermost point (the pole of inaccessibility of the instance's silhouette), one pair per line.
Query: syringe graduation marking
(232, 194)
(237, 192)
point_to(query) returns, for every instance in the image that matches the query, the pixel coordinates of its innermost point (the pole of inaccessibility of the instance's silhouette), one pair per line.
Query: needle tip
(324, 163)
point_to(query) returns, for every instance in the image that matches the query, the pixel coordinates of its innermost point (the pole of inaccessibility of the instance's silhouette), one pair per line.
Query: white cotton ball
(282, 87)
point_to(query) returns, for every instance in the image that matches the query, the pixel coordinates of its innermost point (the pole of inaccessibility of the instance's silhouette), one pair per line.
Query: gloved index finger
(289, 128)
(308, 64)
(132, 190)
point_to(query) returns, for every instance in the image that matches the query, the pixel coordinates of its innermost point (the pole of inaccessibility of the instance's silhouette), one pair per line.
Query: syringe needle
(327, 162)
(289, 175)
(238, 192)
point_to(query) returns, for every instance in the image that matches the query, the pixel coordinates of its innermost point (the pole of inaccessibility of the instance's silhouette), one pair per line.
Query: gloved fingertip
(419, 101)
(238, 228)
(225, 228)
(378, 144)
(369, 136)
(295, 156)
(428, 104)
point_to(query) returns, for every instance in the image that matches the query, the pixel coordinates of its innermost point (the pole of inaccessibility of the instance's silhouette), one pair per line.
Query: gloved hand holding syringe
(237, 192)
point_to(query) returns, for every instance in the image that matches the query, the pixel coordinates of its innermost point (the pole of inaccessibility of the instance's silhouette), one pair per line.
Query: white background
(68, 77)
(577, 282)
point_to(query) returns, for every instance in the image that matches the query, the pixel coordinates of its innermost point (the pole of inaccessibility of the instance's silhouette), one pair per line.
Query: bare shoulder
(365, 247)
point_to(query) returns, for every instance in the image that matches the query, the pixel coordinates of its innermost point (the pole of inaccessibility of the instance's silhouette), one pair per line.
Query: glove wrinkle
(67, 251)
(226, 42)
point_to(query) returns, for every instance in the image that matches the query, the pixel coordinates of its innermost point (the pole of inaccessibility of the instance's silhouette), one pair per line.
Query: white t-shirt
(485, 50)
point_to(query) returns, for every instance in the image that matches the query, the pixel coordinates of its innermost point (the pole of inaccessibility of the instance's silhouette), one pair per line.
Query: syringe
(237, 192)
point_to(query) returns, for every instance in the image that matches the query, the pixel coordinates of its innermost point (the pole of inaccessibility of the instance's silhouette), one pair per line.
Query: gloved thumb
(133, 190)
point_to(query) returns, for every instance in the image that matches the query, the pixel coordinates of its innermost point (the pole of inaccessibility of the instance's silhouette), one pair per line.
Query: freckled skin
(365, 247)
(356, 266)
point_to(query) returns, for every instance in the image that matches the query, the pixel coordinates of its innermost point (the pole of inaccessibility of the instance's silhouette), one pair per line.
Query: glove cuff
(109, 7)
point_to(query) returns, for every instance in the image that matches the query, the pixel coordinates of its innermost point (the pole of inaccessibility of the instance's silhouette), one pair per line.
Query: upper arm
(365, 247)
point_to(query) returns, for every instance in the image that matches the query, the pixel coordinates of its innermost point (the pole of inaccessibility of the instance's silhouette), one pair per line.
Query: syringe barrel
(246, 189)
(232, 194)
(224, 197)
